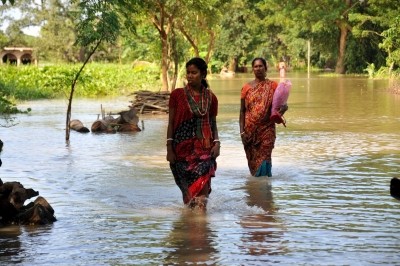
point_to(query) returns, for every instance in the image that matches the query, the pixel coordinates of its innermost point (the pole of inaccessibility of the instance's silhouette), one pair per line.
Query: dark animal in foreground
(12, 210)
(37, 212)
(395, 188)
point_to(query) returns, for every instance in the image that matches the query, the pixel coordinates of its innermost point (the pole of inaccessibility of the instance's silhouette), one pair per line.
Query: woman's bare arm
(170, 135)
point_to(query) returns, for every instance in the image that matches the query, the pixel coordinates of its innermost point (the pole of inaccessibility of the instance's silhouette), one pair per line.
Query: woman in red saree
(256, 129)
(192, 135)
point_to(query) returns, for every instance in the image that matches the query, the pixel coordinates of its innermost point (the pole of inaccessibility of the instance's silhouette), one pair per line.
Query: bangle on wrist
(216, 141)
(169, 141)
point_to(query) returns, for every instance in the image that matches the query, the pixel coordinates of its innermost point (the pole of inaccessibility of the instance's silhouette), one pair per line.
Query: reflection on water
(116, 202)
(262, 231)
(10, 244)
(191, 240)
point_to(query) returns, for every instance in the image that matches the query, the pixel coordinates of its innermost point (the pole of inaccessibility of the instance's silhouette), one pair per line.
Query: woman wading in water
(192, 135)
(256, 129)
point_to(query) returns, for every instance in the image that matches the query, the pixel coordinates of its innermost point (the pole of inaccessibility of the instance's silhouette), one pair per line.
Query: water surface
(116, 202)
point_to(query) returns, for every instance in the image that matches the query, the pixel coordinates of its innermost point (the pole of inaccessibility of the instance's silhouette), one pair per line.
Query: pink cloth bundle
(280, 98)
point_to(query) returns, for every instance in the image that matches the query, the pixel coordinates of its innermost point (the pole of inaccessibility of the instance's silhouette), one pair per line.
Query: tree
(380, 23)
(198, 23)
(235, 35)
(5, 1)
(15, 35)
(4, 40)
(173, 20)
(324, 21)
(99, 22)
(58, 33)
(271, 30)
(56, 22)
(159, 13)
(391, 44)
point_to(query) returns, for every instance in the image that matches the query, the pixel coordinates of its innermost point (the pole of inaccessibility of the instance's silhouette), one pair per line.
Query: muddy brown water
(116, 202)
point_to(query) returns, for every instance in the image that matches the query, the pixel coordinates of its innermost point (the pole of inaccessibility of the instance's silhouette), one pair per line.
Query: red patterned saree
(193, 140)
(259, 136)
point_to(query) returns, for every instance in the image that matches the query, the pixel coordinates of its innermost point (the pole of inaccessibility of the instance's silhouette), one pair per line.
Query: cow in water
(12, 209)
(126, 122)
(77, 125)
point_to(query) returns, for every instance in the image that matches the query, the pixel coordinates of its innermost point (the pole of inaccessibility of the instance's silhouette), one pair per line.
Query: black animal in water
(395, 188)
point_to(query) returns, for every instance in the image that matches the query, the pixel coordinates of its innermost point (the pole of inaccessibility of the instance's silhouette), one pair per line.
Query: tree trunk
(159, 23)
(210, 47)
(233, 64)
(71, 95)
(175, 57)
(164, 61)
(345, 28)
(189, 39)
(342, 48)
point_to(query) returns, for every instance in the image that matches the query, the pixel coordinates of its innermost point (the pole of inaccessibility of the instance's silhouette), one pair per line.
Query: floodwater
(116, 202)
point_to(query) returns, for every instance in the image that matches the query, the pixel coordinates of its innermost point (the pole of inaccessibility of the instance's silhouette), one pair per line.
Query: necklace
(199, 108)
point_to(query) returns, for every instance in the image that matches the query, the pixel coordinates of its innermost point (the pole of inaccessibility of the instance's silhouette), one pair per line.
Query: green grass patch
(54, 81)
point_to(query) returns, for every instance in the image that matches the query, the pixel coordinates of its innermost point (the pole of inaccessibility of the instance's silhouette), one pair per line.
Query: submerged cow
(127, 121)
(13, 211)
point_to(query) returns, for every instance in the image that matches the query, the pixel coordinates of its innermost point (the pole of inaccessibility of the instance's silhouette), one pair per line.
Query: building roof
(21, 49)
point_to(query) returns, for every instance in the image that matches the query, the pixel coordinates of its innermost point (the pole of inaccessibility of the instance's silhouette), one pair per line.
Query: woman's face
(193, 76)
(259, 69)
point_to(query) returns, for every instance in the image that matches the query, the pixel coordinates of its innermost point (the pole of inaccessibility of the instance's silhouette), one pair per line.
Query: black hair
(261, 59)
(202, 66)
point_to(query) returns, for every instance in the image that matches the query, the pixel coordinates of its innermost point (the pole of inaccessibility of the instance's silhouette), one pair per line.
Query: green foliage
(376, 27)
(234, 36)
(98, 22)
(26, 83)
(391, 42)
(5, 1)
(58, 34)
(236, 29)
(363, 52)
(8, 108)
(143, 45)
(3, 39)
(370, 69)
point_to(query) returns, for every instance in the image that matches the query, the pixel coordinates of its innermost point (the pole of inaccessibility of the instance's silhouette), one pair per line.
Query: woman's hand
(171, 157)
(244, 137)
(283, 109)
(215, 150)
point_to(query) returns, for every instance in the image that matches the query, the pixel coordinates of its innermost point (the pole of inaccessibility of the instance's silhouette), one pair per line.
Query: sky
(33, 31)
